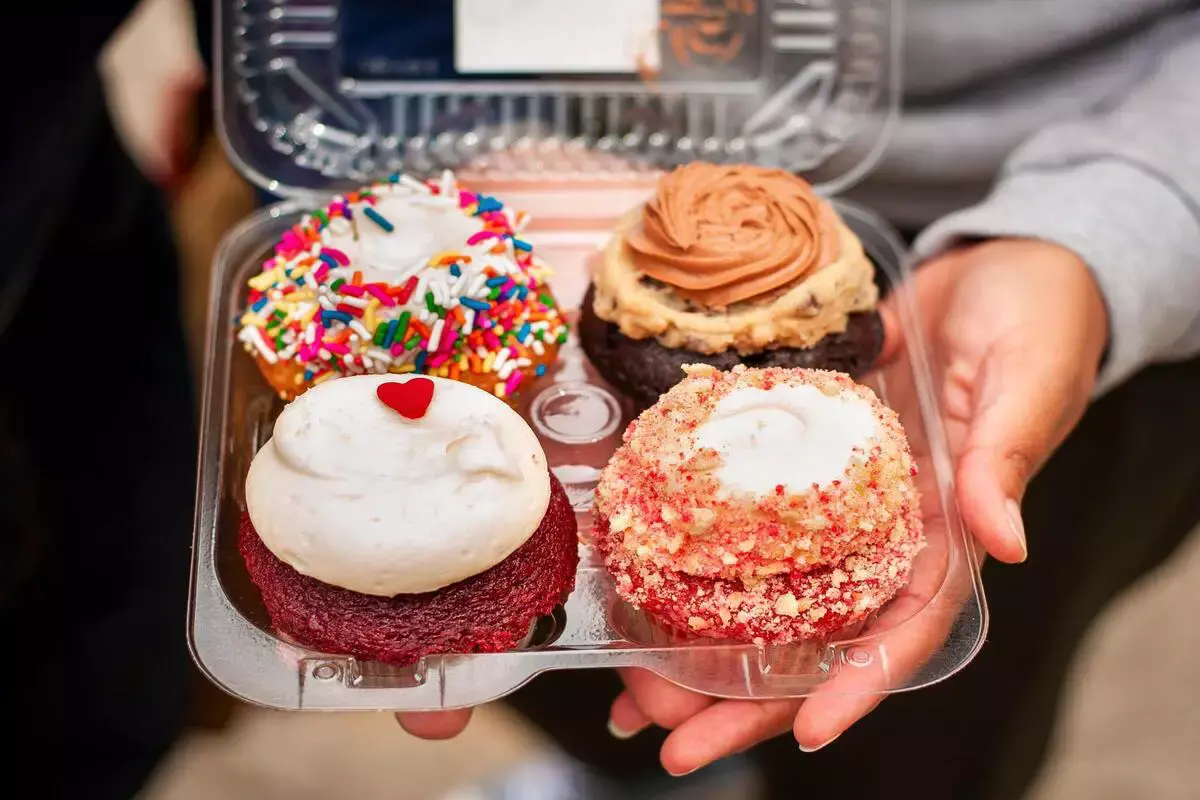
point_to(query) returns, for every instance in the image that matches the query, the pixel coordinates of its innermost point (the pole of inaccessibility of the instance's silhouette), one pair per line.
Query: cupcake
(729, 265)
(390, 518)
(404, 277)
(760, 505)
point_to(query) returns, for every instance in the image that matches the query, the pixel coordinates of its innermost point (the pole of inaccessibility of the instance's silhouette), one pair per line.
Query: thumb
(921, 296)
(893, 333)
(1023, 408)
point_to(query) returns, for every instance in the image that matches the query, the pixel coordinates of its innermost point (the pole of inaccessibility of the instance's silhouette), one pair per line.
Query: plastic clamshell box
(316, 97)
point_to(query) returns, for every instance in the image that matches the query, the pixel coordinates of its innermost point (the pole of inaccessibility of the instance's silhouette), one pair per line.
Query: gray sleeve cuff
(1139, 237)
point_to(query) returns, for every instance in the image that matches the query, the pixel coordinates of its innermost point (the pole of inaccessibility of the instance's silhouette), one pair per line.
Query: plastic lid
(318, 95)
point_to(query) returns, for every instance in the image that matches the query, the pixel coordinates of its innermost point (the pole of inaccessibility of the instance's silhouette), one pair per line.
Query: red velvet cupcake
(391, 518)
(763, 506)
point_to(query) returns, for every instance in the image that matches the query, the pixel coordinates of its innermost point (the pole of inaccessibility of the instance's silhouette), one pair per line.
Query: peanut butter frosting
(720, 235)
(798, 315)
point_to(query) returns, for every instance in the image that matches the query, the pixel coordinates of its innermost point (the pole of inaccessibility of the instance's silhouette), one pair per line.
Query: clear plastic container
(307, 105)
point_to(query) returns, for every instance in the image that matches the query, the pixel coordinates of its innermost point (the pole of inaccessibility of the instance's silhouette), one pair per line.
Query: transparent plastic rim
(207, 593)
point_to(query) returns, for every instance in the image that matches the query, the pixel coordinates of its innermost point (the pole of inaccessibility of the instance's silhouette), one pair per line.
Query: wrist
(1135, 231)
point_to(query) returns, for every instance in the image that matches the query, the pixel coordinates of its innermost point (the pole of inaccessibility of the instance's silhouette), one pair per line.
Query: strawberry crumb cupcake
(760, 505)
(392, 518)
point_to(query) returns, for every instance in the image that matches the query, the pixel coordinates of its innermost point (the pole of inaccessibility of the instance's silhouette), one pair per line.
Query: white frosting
(351, 493)
(790, 435)
(423, 225)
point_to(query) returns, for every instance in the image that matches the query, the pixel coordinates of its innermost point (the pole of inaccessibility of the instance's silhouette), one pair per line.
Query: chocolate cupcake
(729, 265)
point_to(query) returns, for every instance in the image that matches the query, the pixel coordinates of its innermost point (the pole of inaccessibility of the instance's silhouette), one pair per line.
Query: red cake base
(487, 613)
(780, 609)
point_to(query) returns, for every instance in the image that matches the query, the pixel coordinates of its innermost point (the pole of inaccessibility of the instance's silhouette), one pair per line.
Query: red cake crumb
(788, 564)
(779, 609)
(490, 612)
(664, 494)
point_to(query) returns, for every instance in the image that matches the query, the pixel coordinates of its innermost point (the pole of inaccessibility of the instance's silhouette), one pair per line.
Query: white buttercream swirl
(423, 225)
(353, 494)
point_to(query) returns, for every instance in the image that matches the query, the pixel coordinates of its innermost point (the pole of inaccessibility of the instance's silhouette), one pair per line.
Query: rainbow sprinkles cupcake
(404, 276)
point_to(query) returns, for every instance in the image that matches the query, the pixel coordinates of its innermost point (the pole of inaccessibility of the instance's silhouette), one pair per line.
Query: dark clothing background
(97, 466)
(53, 116)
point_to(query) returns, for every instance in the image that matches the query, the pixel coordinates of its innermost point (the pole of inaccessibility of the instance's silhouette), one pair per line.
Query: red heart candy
(410, 399)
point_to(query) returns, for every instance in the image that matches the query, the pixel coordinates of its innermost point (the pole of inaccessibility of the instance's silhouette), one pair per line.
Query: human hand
(434, 724)
(1016, 329)
(153, 76)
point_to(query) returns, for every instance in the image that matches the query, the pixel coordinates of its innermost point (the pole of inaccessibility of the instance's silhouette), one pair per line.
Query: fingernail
(620, 733)
(804, 749)
(682, 774)
(1017, 526)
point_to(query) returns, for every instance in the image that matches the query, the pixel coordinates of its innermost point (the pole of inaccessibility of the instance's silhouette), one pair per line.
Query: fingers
(924, 290)
(829, 716)
(1024, 408)
(435, 724)
(725, 728)
(626, 720)
(990, 513)
(902, 638)
(893, 334)
(660, 701)
(901, 650)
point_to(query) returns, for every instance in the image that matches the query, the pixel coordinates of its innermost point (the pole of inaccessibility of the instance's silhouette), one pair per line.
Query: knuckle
(773, 719)
(670, 716)
(665, 707)
(1021, 463)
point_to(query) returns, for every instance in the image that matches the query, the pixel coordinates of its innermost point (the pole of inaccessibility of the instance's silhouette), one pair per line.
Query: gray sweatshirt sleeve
(1120, 187)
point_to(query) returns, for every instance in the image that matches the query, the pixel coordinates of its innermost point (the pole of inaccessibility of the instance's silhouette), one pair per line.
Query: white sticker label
(556, 36)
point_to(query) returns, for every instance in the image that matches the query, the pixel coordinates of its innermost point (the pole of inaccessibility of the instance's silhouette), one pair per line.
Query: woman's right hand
(1017, 329)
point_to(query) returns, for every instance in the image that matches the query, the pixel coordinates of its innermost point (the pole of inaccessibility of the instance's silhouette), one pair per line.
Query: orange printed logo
(707, 31)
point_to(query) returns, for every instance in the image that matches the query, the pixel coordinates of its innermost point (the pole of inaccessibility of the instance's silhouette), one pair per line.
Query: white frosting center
(353, 494)
(790, 435)
(423, 226)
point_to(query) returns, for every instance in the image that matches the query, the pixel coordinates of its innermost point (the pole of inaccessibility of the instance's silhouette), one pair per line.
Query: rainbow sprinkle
(481, 309)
